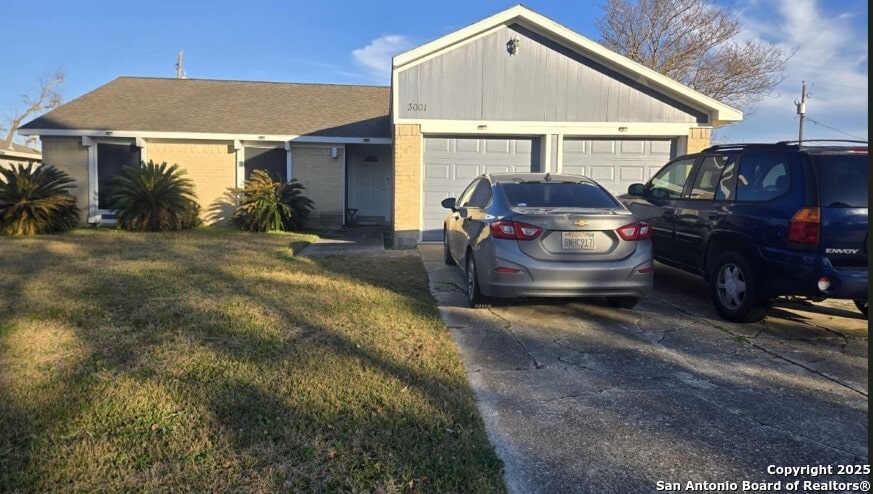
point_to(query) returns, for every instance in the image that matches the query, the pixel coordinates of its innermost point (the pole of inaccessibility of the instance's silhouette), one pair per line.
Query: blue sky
(352, 43)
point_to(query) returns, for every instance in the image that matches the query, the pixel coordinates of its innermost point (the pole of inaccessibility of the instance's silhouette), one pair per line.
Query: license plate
(577, 241)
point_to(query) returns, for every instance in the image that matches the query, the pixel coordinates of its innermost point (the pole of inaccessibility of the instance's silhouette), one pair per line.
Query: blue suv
(760, 221)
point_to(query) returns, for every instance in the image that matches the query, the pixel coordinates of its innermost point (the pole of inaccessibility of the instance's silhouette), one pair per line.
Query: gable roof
(140, 104)
(718, 112)
(21, 152)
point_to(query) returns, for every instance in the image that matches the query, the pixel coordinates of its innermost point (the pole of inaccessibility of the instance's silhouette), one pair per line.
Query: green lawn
(217, 361)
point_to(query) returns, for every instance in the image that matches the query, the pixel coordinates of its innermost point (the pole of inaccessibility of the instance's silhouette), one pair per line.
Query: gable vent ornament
(512, 45)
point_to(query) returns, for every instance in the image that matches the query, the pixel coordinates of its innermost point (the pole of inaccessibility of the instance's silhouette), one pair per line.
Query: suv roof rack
(793, 144)
(801, 143)
(752, 145)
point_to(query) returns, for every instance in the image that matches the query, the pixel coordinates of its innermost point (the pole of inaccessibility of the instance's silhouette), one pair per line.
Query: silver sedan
(541, 235)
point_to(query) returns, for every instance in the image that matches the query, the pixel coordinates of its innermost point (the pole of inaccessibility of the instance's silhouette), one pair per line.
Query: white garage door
(615, 164)
(451, 163)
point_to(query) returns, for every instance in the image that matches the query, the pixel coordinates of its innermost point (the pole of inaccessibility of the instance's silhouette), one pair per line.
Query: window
(714, 178)
(464, 198)
(273, 161)
(842, 180)
(669, 182)
(762, 177)
(557, 195)
(481, 195)
(111, 158)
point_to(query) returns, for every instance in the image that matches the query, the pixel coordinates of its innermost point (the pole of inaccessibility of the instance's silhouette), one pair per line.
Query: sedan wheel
(474, 294)
(734, 290)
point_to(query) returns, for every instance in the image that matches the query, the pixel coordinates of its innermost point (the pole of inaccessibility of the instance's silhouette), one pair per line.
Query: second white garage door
(615, 164)
(451, 163)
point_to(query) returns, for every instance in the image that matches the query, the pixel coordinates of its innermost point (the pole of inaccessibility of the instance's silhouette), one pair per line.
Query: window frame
(649, 187)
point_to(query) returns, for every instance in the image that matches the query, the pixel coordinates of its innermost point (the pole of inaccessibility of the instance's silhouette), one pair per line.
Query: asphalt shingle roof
(226, 107)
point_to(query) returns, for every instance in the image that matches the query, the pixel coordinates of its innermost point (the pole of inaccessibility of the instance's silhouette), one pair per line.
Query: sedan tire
(447, 254)
(623, 302)
(734, 290)
(474, 294)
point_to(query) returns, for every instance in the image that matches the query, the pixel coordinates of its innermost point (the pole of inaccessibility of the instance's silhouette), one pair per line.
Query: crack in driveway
(742, 338)
(508, 327)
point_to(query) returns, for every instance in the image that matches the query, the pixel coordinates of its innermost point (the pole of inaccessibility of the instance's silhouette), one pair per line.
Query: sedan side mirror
(448, 203)
(636, 189)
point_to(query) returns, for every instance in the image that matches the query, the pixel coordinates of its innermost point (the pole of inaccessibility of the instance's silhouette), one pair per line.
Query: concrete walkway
(354, 240)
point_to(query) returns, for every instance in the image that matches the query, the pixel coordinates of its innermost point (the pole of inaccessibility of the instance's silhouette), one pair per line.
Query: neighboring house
(17, 154)
(515, 91)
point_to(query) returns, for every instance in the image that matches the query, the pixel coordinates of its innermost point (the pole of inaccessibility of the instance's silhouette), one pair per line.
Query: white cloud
(831, 57)
(375, 58)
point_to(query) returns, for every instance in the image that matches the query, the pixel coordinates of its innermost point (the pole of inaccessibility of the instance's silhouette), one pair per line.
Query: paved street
(581, 397)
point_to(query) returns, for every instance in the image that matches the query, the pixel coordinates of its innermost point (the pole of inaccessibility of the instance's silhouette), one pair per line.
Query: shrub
(265, 205)
(36, 200)
(154, 198)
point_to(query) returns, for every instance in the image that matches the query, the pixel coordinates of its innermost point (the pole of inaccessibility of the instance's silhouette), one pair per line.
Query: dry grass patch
(217, 361)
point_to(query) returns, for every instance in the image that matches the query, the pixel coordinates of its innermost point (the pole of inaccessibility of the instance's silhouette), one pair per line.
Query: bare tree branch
(695, 42)
(49, 97)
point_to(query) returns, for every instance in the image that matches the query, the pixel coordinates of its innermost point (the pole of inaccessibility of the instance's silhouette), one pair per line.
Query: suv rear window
(842, 180)
(558, 195)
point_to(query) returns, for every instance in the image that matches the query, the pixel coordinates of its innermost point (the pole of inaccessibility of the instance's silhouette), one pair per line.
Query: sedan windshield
(558, 195)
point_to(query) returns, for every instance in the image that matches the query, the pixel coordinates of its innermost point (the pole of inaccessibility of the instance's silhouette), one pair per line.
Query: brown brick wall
(698, 139)
(407, 184)
(211, 165)
(324, 179)
(68, 154)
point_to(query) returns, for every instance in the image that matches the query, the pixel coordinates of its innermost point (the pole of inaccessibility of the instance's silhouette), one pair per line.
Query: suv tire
(862, 306)
(474, 294)
(734, 289)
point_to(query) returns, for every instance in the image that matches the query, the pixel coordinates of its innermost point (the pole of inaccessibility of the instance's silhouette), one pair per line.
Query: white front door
(370, 184)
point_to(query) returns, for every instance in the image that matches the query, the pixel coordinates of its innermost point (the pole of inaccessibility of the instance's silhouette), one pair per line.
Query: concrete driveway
(580, 397)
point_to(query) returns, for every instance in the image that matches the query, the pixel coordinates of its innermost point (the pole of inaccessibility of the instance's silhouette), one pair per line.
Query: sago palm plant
(265, 205)
(154, 198)
(36, 200)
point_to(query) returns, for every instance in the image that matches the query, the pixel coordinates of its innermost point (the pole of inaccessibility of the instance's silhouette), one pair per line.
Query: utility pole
(179, 66)
(801, 110)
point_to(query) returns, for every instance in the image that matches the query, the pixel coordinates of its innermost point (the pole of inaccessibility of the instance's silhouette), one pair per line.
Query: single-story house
(15, 154)
(515, 91)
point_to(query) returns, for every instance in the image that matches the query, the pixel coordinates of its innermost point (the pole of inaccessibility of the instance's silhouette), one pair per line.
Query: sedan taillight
(514, 230)
(635, 231)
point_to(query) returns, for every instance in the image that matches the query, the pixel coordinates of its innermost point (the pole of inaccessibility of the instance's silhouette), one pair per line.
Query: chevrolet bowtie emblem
(580, 223)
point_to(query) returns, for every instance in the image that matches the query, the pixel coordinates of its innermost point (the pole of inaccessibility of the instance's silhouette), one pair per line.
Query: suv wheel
(734, 290)
(474, 295)
(862, 306)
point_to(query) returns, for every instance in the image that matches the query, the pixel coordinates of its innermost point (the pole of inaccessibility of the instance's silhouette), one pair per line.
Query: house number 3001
(416, 107)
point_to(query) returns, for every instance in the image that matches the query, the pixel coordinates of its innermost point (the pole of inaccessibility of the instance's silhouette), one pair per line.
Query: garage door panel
(501, 146)
(632, 147)
(436, 144)
(632, 174)
(602, 173)
(660, 147)
(437, 171)
(466, 145)
(451, 163)
(603, 147)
